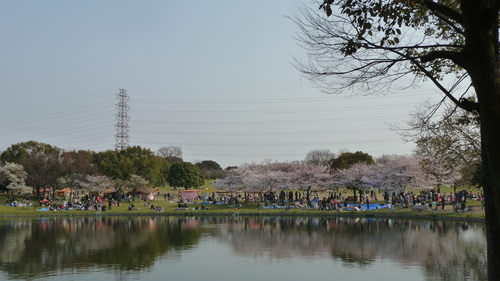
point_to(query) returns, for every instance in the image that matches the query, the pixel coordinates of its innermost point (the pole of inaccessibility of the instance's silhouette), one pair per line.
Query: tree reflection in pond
(33, 248)
(445, 250)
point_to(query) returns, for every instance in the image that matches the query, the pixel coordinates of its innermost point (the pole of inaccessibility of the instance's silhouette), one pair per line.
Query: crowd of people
(86, 203)
(14, 202)
(334, 200)
(431, 196)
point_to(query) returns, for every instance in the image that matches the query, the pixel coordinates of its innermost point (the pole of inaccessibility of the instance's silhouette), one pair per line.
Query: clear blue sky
(214, 77)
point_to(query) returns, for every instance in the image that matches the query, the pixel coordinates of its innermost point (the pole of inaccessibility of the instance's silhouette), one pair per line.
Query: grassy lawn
(244, 209)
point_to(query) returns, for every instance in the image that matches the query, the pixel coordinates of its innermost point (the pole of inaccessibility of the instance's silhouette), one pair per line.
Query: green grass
(245, 209)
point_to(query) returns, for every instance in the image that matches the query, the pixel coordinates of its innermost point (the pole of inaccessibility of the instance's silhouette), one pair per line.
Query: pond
(240, 248)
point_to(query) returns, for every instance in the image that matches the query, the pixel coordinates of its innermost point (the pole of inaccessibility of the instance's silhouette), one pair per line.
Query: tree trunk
(481, 62)
(491, 184)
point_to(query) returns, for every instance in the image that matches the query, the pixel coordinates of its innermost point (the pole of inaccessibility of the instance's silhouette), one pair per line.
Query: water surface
(240, 248)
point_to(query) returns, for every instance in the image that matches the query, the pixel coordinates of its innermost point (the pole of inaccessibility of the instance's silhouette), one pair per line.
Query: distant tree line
(34, 166)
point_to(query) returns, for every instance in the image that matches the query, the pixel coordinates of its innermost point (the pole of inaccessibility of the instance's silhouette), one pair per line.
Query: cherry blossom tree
(402, 172)
(97, 183)
(407, 171)
(266, 181)
(273, 177)
(135, 183)
(355, 177)
(442, 173)
(311, 177)
(16, 177)
(395, 173)
(269, 177)
(232, 181)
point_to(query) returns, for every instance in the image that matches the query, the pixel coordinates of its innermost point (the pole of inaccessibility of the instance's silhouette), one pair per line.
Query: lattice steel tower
(122, 127)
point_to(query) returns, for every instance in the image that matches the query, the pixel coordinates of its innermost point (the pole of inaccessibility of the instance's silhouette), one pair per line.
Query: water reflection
(33, 248)
(444, 250)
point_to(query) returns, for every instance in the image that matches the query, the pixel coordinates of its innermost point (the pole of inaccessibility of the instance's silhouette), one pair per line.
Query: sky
(214, 77)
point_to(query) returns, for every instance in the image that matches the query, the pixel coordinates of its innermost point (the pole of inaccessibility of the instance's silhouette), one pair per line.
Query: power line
(269, 122)
(274, 155)
(57, 104)
(56, 122)
(280, 144)
(261, 133)
(265, 111)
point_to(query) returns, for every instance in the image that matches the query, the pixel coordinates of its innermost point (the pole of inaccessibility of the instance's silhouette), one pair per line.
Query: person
(443, 202)
(165, 197)
(367, 204)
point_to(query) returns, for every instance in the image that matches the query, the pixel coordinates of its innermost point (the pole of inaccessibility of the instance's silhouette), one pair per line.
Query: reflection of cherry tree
(435, 246)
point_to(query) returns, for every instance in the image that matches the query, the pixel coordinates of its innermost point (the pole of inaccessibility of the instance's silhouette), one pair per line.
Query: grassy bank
(251, 208)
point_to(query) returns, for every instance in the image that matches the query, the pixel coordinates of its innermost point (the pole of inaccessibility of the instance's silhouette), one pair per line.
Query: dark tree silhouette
(369, 45)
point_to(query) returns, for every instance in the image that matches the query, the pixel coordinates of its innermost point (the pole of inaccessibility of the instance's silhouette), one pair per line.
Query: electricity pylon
(122, 128)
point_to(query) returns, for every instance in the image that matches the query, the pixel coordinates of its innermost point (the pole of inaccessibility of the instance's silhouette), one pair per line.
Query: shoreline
(394, 215)
(246, 209)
